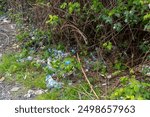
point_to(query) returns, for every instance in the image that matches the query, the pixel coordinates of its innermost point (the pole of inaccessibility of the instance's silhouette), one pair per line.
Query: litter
(51, 83)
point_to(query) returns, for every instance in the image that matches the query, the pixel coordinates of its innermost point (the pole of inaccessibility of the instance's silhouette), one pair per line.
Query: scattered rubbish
(29, 58)
(72, 51)
(109, 76)
(4, 19)
(67, 62)
(51, 83)
(32, 93)
(41, 62)
(57, 54)
(29, 94)
(33, 38)
(86, 69)
(14, 89)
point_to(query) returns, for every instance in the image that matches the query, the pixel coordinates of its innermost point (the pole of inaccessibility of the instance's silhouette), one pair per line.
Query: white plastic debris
(29, 58)
(5, 20)
(29, 94)
(58, 53)
(51, 83)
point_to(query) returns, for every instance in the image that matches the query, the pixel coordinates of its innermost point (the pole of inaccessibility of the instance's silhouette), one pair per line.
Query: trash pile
(57, 64)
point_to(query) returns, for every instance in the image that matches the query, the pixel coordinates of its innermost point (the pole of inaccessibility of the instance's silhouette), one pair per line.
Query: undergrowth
(110, 38)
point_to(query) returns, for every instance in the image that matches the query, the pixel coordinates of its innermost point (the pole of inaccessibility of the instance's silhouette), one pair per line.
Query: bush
(132, 90)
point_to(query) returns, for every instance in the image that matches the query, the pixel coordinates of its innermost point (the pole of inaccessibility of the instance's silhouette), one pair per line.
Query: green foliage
(9, 64)
(17, 17)
(146, 17)
(131, 89)
(107, 46)
(22, 35)
(63, 67)
(3, 5)
(71, 7)
(96, 6)
(119, 65)
(23, 72)
(34, 38)
(125, 26)
(99, 66)
(145, 47)
(117, 27)
(53, 20)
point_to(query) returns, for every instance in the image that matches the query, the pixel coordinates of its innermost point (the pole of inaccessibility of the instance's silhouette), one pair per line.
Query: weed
(75, 92)
(131, 89)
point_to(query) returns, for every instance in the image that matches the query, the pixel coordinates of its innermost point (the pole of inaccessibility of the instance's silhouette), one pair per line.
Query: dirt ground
(9, 90)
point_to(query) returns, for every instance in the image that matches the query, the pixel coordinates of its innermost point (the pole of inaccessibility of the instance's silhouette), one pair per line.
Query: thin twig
(87, 78)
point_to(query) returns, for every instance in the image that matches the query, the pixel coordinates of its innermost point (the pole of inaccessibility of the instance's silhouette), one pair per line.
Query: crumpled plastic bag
(51, 83)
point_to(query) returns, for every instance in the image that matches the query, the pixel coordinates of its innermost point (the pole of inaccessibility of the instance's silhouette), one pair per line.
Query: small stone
(39, 92)
(2, 79)
(14, 89)
(15, 46)
(104, 84)
(109, 76)
(29, 94)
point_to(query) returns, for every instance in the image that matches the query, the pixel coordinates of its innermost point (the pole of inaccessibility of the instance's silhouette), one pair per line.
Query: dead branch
(86, 78)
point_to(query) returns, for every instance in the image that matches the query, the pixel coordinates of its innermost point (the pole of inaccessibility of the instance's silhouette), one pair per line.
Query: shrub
(132, 90)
